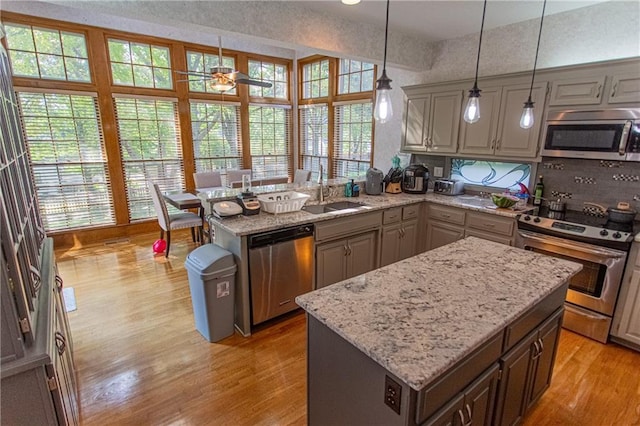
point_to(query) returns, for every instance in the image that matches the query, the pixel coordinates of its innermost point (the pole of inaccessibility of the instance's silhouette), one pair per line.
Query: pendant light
(526, 121)
(383, 110)
(472, 111)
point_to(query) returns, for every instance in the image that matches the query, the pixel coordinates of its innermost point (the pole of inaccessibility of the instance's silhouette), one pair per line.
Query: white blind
(149, 136)
(270, 140)
(314, 138)
(68, 160)
(352, 140)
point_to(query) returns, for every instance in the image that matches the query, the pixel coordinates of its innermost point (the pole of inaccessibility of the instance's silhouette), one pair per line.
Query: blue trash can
(212, 271)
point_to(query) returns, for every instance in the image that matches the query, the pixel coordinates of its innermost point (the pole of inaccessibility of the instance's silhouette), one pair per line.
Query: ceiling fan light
(222, 86)
(350, 2)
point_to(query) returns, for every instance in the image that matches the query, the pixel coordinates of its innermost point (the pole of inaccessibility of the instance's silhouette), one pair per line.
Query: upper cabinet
(431, 122)
(577, 91)
(625, 88)
(498, 130)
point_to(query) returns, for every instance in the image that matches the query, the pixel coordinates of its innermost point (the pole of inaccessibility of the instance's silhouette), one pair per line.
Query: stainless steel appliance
(249, 203)
(415, 179)
(280, 268)
(448, 186)
(612, 134)
(375, 182)
(600, 246)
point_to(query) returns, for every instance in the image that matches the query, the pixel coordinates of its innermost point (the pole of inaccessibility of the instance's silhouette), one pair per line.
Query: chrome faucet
(321, 195)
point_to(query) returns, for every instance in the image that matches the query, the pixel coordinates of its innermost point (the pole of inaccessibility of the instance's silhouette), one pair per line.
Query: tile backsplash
(597, 181)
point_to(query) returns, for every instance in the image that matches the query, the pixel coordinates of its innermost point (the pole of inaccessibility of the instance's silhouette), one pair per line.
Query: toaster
(448, 187)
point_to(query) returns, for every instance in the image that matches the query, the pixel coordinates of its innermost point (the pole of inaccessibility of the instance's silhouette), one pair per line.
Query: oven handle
(572, 245)
(624, 138)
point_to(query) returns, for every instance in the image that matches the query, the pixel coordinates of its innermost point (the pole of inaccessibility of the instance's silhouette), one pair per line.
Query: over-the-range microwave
(607, 134)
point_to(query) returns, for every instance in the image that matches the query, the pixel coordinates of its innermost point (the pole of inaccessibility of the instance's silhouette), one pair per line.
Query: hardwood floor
(140, 360)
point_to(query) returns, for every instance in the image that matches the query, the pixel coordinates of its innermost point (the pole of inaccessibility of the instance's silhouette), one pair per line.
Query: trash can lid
(210, 258)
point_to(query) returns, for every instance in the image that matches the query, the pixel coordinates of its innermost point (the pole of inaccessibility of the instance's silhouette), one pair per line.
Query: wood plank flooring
(140, 360)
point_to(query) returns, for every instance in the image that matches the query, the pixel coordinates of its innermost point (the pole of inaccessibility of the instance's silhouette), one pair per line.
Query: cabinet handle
(461, 415)
(61, 342)
(541, 346)
(346, 250)
(498, 143)
(445, 215)
(536, 351)
(490, 225)
(599, 90)
(401, 231)
(59, 282)
(468, 407)
(613, 91)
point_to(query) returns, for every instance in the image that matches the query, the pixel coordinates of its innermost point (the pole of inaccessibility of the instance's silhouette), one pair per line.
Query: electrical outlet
(392, 393)
(438, 171)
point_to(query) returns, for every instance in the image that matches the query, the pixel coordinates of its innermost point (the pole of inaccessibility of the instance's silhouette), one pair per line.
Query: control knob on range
(527, 218)
(536, 219)
(604, 233)
(617, 235)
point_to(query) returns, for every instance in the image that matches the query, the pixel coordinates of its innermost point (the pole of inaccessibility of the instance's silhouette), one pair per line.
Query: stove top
(577, 225)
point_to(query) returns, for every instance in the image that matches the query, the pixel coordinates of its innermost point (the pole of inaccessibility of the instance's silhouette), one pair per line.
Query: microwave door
(595, 140)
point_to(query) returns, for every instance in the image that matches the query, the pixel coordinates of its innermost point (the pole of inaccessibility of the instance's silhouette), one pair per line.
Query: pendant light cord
(386, 31)
(484, 9)
(535, 61)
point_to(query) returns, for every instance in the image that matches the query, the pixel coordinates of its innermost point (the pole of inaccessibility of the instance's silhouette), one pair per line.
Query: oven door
(596, 286)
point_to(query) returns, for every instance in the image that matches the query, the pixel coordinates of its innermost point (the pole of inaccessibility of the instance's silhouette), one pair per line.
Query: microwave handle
(624, 138)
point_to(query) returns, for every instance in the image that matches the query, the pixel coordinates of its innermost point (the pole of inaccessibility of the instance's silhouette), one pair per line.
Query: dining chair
(301, 176)
(210, 179)
(236, 176)
(169, 222)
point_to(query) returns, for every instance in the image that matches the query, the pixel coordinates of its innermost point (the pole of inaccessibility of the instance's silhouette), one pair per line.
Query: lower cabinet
(440, 234)
(526, 371)
(399, 234)
(626, 319)
(345, 258)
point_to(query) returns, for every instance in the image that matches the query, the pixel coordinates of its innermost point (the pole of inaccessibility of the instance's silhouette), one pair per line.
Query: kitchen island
(467, 331)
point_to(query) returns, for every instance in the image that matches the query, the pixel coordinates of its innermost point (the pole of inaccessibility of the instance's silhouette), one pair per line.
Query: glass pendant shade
(383, 110)
(472, 111)
(527, 120)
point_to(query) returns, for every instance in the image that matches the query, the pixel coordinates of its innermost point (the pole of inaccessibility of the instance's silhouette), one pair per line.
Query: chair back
(207, 179)
(301, 176)
(159, 205)
(236, 176)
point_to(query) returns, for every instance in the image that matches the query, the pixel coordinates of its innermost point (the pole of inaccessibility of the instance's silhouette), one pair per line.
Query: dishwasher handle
(280, 235)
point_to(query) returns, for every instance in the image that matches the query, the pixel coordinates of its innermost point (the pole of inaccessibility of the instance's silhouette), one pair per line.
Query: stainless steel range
(601, 246)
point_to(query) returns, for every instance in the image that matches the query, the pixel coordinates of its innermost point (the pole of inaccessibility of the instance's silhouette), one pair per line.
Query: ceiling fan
(223, 79)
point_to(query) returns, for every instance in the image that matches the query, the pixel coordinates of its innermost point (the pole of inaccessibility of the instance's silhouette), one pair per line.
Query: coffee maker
(415, 179)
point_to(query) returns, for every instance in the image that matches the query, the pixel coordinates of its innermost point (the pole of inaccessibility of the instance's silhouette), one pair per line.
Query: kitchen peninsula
(466, 331)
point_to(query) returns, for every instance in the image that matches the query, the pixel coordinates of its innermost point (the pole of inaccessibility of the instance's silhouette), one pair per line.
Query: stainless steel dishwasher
(281, 267)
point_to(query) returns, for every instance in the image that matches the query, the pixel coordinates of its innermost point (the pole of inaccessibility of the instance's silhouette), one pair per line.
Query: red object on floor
(159, 246)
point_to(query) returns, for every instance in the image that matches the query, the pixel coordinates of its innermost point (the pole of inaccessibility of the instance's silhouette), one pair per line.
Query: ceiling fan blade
(190, 80)
(253, 82)
(194, 73)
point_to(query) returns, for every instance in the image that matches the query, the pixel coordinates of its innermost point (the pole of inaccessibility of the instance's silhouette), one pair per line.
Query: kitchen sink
(333, 207)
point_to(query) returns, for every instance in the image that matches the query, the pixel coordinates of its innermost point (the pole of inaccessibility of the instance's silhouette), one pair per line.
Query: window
(47, 53)
(355, 77)
(490, 173)
(314, 141)
(68, 159)
(216, 135)
(315, 79)
(150, 145)
(269, 140)
(276, 74)
(202, 63)
(139, 64)
(353, 139)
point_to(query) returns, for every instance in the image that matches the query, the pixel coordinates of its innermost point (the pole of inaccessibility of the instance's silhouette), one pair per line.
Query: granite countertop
(247, 225)
(420, 316)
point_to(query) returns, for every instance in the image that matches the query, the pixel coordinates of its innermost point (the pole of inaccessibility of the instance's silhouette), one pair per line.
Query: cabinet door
(64, 369)
(629, 326)
(449, 415)
(362, 254)
(444, 122)
(577, 91)
(513, 140)
(545, 357)
(479, 398)
(512, 393)
(331, 263)
(408, 240)
(391, 242)
(415, 122)
(480, 137)
(440, 234)
(625, 88)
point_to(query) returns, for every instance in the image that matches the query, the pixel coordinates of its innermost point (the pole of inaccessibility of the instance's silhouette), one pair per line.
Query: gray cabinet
(626, 319)
(577, 91)
(399, 234)
(498, 130)
(526, 371)
(625, 88)
(345, 258)
(440, 234)
(431, 122)
(490, 227)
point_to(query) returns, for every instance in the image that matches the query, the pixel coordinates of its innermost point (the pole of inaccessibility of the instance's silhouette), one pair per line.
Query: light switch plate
(438, 171)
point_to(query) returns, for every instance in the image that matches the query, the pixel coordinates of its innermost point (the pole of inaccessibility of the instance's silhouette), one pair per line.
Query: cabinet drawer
(391, 216)
(490, 223)
(338, 228)
(410, 212)
(488, 236)
(458, 377)
(447, 214)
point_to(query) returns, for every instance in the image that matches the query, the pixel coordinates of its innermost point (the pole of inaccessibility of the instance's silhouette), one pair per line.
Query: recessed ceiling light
(350, 2)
